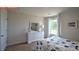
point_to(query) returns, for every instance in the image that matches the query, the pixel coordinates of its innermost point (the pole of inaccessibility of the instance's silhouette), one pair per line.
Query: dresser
(34, 36)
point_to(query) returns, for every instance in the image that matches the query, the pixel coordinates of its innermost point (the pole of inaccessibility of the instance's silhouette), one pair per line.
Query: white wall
(46, 27)
(66, 17)
(18, 24)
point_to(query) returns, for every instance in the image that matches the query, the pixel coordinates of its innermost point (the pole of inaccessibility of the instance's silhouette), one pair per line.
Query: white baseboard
(9, 44)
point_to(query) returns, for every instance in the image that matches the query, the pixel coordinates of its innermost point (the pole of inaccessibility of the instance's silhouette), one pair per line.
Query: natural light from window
(53, 26)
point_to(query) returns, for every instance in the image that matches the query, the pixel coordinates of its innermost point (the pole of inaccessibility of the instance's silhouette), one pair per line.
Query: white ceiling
(41, 11)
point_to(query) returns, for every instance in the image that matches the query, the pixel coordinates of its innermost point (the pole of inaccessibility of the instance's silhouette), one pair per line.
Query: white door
(3, 39)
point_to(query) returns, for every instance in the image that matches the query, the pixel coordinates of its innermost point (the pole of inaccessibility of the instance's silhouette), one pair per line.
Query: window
(53, 26)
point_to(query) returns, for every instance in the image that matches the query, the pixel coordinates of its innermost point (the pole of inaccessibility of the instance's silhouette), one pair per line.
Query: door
(3, 36)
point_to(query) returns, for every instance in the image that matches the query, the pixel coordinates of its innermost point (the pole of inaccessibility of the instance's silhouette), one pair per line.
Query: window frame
(58, 31)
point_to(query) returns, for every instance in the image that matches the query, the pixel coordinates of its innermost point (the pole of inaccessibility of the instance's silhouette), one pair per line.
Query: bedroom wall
(46, 27)
(66, 17)
(18, 24)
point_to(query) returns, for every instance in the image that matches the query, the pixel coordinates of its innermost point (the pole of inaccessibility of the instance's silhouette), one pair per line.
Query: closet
(3, 29)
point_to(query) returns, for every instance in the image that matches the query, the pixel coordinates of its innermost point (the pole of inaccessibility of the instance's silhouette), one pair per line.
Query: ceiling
(41, 11)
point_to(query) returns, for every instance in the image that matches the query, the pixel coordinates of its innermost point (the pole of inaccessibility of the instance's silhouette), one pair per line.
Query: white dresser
(34, 35)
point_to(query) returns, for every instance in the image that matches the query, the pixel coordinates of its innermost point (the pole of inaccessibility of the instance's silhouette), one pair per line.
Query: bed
(61, 44)
(55, 43)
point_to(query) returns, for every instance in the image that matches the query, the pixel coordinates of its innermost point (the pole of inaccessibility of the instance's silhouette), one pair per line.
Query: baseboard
(17, 44)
